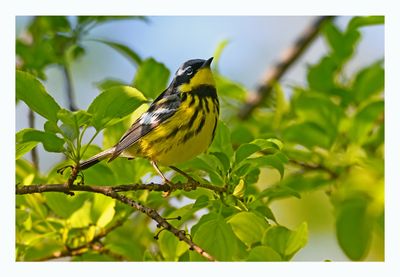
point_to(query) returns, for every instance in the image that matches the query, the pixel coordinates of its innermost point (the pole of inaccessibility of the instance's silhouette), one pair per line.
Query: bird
(177, 126)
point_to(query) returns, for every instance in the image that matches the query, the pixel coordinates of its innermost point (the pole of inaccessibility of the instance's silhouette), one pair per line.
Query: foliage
(327, 136)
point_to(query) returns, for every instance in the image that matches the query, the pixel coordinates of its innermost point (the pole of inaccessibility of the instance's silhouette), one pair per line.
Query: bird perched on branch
(179, 124)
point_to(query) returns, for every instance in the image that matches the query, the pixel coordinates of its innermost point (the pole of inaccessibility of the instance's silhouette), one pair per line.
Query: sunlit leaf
(354, 228)
(114, 104)
(365, 120)
(284, 241)
(362, 21)
(65, 205)
(248, 227)
(50, 142)
(33, 93)
(342, 43)
(369, 81)
(151, 78)
(321, 76)
(216, 237)
(263, 254)
(81, 217)
(222, 140)
(102, 211)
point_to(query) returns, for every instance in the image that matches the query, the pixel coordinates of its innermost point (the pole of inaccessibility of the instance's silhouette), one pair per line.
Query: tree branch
(112, 192)
(69, 87)
(68, 189)
(34, 153)
(289, 57)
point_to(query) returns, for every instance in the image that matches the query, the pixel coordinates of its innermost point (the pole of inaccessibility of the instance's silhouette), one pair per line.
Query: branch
(69, 87)
(289, 57)
(34, 153)
(68, 189)
(111, 191)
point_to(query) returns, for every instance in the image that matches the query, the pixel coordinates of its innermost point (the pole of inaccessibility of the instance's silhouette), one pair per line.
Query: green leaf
(102, 211)
(279, 191)
(33, 93)
(201, 202)
(105, 19)
(114, 104)
(247, 149)
(24, 172)
(64, 205)
(354, 227)
(23, 148)
(223, 159)
(284, 241)
(306, 181)
(123, 49)
(171, 248)
(49, 25)
(151, 78)
(369, 81)
(81, 217)
(319, 110)
(248, 227)
(342, 43)
(308, 134)
(72, 122)
(365, 120)
(26, 137)
(222, 140)
(263, 254)
(362, 21)
(322, 75)
(218, 52)
(216, 237)
(109, 83)
(272, 161)
(130, 239)
(229, 89)
(207, 163)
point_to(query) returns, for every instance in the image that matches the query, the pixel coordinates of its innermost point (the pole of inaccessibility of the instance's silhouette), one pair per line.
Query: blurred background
(255, 44)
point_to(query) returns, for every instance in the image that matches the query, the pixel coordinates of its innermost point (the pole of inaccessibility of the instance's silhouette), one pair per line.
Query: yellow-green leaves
(33, 93)
(26, 139)
(113, 105)
(354, 227)
(284, 241)
(215, 236)
(248, 227)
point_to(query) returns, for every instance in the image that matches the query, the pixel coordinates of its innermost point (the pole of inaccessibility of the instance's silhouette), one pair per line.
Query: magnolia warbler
(178, 125)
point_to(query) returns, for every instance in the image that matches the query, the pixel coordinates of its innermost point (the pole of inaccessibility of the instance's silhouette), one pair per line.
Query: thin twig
(69, 87)
(106, 189)
(289, 57)
(34, 154)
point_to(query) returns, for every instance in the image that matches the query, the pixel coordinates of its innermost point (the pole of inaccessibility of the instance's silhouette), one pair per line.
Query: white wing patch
(151, 117)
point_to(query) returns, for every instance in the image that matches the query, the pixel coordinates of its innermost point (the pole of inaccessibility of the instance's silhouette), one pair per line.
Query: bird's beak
(207, 63)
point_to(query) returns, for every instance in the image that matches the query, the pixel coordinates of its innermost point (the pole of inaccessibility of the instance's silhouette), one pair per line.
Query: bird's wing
(157, 113)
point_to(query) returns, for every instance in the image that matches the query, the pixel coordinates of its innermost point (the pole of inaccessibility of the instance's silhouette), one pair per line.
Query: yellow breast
(184, 135)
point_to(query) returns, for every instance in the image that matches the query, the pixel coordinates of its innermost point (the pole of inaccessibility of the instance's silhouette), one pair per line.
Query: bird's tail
(96, 158)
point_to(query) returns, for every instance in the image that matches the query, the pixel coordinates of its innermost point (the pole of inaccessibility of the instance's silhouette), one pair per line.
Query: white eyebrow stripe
(180, 71)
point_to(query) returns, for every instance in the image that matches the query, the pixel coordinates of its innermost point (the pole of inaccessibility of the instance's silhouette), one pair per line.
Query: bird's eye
(189, 70)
